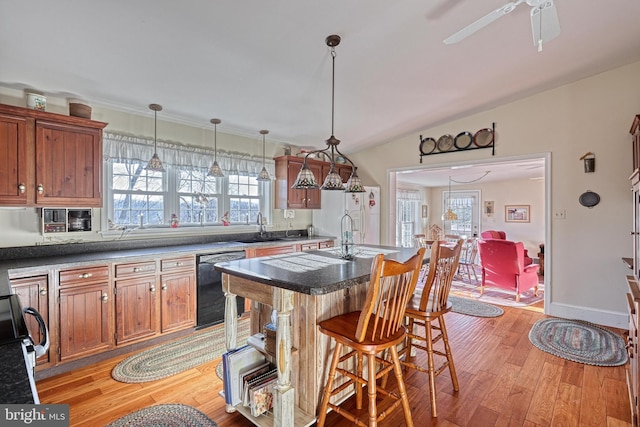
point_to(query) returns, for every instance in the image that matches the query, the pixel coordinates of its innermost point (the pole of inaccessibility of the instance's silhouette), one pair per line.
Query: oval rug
(579, 341)
(474, 308)
(169, 415)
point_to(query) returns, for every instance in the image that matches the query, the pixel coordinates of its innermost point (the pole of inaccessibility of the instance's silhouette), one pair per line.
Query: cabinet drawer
(175, 264)
(79, 276)
(327, 244)
(135, 268)
(308, 246)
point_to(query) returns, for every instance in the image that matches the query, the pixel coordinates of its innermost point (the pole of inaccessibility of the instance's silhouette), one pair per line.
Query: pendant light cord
(333, 84)
(155, 131)
(215, 142)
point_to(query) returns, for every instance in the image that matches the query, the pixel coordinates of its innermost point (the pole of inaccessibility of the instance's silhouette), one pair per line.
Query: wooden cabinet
(136, 301)
(178, 293)
(51, 159)
(273, 250)
(34, 292)
(287, 169)
(85, 312)
(315, 246)
(633, 297)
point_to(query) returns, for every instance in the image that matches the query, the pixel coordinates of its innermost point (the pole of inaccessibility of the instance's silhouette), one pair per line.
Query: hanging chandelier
(264, 174)
(215, 170)
(333, 181)
(154, 163)
(449, 215)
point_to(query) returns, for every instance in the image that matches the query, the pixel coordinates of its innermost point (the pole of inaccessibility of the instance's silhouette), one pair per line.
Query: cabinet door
(136, 315)
(345, 172)
(177, 301)
(34, 292)
(85, 320)
(13, 161)
(68, 166)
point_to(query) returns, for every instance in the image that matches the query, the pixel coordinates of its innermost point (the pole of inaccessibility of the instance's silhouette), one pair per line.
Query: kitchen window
(140, 198)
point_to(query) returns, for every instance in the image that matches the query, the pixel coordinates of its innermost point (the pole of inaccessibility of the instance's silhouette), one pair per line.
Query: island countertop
(316, 272)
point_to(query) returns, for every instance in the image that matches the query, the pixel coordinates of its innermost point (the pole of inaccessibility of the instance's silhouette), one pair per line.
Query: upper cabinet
(49, 159)
(287, 169)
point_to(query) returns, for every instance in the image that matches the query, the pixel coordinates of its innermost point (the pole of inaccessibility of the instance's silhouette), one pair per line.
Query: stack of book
(249, 379)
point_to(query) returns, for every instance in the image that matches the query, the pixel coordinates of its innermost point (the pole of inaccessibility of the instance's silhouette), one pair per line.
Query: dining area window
(408, 204)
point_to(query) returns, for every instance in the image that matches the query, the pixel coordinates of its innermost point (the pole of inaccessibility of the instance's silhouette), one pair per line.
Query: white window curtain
(120, 147)
(406, 216)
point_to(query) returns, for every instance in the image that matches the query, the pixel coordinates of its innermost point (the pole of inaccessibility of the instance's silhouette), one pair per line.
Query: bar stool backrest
(391, 285)
(443, 265)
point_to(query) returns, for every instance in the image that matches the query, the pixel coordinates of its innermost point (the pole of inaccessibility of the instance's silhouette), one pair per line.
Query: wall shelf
(464, 141)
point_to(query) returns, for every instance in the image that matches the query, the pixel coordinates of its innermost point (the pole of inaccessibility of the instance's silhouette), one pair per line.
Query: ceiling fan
(545, 25)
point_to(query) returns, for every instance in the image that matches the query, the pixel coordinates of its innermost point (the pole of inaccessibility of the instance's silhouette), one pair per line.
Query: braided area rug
(165, 360)
(579, 341)
(170, 415)
(474, 308)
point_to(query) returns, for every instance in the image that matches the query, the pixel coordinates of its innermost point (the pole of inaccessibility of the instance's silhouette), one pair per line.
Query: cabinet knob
(43, 291)
(22, 188)
(85, 275)
(40, 189)
(152, 288)
(136, 269)
(105, 297)
(178, 264)
(164, 286)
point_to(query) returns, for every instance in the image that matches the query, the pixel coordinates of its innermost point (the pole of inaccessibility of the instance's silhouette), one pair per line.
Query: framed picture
(488, 207)
(425, 211)
(516, 213)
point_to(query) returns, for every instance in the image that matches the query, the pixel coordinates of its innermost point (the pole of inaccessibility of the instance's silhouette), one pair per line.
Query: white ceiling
(263, 64)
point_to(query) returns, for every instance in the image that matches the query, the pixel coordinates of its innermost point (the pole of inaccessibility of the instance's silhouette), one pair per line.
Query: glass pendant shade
(264, 174)
(155, 164)
(354, 185)
(215, 169)
(449, 215)
(333, 181)
(305, 179)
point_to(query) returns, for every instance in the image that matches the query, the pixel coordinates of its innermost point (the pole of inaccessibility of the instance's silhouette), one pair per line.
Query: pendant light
(215, 170)
(264, 174)
(333, 181)
(449, 215)
(155, 164)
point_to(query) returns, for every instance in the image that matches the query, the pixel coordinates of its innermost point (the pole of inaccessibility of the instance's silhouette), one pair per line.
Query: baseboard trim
(599, 317)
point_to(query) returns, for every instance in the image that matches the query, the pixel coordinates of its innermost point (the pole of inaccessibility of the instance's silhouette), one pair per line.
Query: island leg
(284, 394)
(230, 322)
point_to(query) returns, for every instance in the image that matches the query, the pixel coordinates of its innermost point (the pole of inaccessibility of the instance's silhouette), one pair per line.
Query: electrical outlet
(560, 214)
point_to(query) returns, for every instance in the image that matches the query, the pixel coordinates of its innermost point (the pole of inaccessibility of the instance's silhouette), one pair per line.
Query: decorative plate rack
(463, 141)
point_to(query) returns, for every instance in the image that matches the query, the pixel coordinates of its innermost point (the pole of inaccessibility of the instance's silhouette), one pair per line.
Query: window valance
(118, 147)
(404, 194)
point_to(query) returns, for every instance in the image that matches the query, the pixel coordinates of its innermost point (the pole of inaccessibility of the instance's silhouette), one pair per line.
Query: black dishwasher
(211, 300)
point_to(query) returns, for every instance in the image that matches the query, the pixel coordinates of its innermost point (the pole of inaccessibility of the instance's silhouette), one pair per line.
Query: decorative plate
(427, 146)
(483, 138)
(445, 143)
(463, 140)
(589, 199)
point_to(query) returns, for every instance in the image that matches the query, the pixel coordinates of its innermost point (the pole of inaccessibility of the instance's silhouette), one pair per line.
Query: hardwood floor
(504, 381)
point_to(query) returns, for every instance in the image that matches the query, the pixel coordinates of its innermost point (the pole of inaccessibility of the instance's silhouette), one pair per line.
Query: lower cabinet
(633, 368)
(34, 292)
(136, 297)
(85, 312)
(178, 293)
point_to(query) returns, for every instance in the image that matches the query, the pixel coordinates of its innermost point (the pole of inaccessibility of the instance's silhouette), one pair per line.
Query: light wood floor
(504, 381)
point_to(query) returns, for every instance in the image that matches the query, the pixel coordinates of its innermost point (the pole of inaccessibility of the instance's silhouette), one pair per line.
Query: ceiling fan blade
(545, 25)
(482, 22)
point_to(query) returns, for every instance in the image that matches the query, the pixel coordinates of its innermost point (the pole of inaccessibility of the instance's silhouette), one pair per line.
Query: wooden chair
(468, 256)
(428, 310)
(378, 327)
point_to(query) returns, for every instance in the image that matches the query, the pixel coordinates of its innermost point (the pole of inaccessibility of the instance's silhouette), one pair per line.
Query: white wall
(583, 267)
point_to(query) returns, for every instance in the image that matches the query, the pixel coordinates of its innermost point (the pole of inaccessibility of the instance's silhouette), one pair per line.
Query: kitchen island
(303, 289)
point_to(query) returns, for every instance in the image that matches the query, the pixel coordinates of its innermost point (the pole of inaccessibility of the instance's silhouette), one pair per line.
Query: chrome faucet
(261, 224)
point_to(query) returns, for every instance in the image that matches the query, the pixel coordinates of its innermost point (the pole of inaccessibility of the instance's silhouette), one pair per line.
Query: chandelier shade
(215, 169)
(155, 164)
(264, 174)
(449, 215)
(333, 181)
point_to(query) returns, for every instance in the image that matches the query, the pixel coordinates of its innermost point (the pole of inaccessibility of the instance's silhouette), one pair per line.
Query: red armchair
(493, 234)
(502, 263)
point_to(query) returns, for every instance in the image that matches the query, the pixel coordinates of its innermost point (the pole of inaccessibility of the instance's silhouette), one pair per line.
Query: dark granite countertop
(314, 272)
(14, 382)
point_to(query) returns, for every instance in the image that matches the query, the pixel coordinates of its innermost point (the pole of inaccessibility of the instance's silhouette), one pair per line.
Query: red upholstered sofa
(501, 235)
(502, 263)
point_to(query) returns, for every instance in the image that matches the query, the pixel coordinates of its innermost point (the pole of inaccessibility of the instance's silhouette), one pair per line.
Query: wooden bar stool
(427, 310)
(378, 327)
